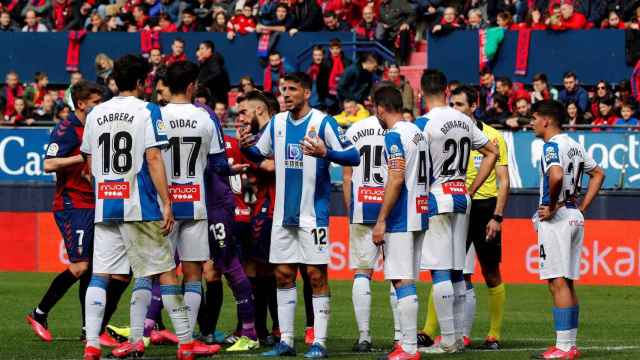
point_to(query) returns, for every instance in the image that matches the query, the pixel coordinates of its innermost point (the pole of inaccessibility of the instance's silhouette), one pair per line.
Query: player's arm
(346, 186)
(155, 163)
(502, 176)
(219, 164)
(55, 164)
(391, 194)
(340, 150)
(262, 148)
(490, 155)
(596, 178)
(555, 173)
(267, 165)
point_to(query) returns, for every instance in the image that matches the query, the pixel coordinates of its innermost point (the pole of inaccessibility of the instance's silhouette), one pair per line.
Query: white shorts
(363, 253)
(445, 244)
(402, 255)
(560, 244)
(191, 239)
(299, 245)
(470, 261)
(137, 245)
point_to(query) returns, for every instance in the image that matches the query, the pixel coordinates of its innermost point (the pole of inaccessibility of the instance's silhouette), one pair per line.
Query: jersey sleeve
(421, 122)
(550, 156)
(334, 135)
(479, 139)
(589, 163)
(62, 142)
(394, 150)
(155, 135)
(217, 137)
(503, 152)
(265, 142)
(87, 136)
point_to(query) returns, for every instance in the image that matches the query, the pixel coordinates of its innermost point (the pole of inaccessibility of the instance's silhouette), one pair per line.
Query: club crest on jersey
(294, 156)
(312, 132)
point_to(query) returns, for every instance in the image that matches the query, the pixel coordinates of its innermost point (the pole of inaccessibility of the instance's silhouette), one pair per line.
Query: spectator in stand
(499, 111)
(13, 90)
(213, 72)
(165, 24)
(627, 118)
(242, 23)
(353, 112)
(20, 115)
(154, 8)
(350, 12)
(275, 70)
(542, 90)
(606, 116)
(61, 113)
(366, 28)
(569, 19)
(522, 116)
(505, 87)
(74, 78)
(44, 114)
(113, 23)
(329, 5)
(635, 21)
(448, 23)
(6, 23)
(394, 77)
(177, 52)
(281, 21)
(157, 65)
(407, 115)
(220, 109)
(319, 71)
(247, 85)
(603, 91)
(202, 96)
(397, 18)
(487, 90)
(96, 24)
(574, 115)
(189, 22)
(35, 92)
(32, 23)
(613, 21)
(79, 13)
(41, 9)
(171, 8)
(307, 16)
(140, 16)
(357, 79)
(596, 10)
(475, 21)
(104, 66)
(505, 21)
(574, 92)
(219, 22)
(535, 20)
(203, 10)
(332, 23)
(338, 63)
(112, 88)
(61, 14)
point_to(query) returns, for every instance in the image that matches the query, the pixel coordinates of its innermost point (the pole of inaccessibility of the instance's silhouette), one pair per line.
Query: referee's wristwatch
(497, 218)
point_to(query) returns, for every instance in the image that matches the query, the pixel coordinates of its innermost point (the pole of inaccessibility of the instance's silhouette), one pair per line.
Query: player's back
(406, 147)
(573, 158)
(367, 179)
(117, 134)
(191, 132)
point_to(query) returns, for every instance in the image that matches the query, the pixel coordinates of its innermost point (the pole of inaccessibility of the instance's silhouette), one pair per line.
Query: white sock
(469, 312)
(140, 300)
(408, 311)
(94, 303)
(361, 296)
(192, 298)
(573, 335)
(459, 291)
(443, 299)
(393, 301)
(563, 340)
(321, 314)
(173, 301)
(287, 299)
(39, 312)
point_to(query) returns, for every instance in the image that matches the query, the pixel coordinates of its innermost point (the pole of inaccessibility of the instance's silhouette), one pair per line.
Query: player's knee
(317, 277)
(492, 277)
(121, 277)
(367, 272)
(285, 277)
(192, 270)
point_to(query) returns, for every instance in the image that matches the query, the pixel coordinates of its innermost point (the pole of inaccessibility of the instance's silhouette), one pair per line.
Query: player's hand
(378, 233)
(545, 213)
(245, 137)
(167, 219)
(493, 228)
(239, 168)
(314, 147)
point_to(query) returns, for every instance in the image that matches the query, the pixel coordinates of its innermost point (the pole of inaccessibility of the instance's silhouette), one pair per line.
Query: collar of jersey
(73, 119)
(301, 121)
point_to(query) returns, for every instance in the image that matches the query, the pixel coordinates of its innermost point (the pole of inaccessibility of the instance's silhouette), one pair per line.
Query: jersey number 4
(175, 146)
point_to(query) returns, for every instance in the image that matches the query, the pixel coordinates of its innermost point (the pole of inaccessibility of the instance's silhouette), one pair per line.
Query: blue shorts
(76, 227)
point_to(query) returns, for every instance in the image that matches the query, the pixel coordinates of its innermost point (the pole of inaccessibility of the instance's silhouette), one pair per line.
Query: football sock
(287, 299)
(460, 295)
(321, 314)
(408, 311)
(564, 321)
(82, 292)
(154, 311)
(431, 325)
(192, 298)
(469, 310)
(95, 304)
(241, 288)
(307, 293)
(214, 305)
(140, 300)
(270, 289)
(393, 301)
(114, 293)
(575, 319)
(497, 298)
(173, 300)
(260, 304)
(443, 298)
(56, 291)
(361, 296)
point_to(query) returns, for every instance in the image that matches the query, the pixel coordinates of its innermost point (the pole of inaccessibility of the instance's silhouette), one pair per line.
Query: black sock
(159, 323)
(272, 300)
(308, 297)
(214, 305)
(114, 292)
(203, 314)
(56, 291)
(82, 292)
(260, 303)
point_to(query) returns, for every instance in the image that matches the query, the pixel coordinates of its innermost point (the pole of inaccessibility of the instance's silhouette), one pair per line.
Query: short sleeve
(334, 136)
(479, 139)
(503, 152)
(87, 136)
(394, 151)
(550, 156)
(62, 141)
(155, 135)
(421, 122)
(589, 163)
(217, 137)
(265, 142)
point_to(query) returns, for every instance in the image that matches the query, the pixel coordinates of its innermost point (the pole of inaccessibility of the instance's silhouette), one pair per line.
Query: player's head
(387, 102)
(253, 107)
(548, 116)
(273, 103)
(296, 89)
(464, 99)
(433, 83)
(163, 94)
(85, 95)
(182, 77)
(129, 72)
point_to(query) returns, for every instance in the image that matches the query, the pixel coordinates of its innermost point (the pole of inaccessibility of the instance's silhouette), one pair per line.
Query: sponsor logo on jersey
(52, 150)
(185, 193)
(550, 154)
(456, 187)
(113, 190)
(370, 195)
(394, 151)
(422, 205)
(294, 156)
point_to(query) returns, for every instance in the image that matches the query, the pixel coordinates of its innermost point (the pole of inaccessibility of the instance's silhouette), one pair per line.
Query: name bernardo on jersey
(454, 124)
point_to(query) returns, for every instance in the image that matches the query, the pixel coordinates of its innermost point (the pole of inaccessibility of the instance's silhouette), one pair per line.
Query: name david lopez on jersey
(367, 132)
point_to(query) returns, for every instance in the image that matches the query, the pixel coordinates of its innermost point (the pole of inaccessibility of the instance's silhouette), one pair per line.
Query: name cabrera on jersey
(407, 147)
(452, 135)
(117, 134)
(193, 135)
(563, 151)
(367, 179)
(303, 183)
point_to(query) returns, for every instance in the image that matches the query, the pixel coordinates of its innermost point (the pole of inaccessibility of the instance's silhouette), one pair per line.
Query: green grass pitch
(610, 324)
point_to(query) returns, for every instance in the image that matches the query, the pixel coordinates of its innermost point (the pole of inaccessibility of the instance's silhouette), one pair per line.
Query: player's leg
(307, 296)
(265, 289)
(470, 300)
(431, 326)
(209, 314)
(193, 249)
(460, 228)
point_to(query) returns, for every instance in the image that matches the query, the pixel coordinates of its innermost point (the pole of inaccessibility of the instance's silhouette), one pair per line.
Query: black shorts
(260, 239)
(489, 252)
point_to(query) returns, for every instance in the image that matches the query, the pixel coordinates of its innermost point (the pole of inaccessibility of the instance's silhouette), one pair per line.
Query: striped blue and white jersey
(303, 183)
(193, 135)
(563, 151)
(407, 147)
(117, 134)
(367, 179)
(452, 135)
